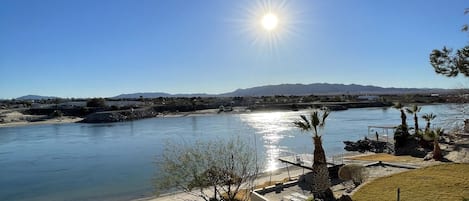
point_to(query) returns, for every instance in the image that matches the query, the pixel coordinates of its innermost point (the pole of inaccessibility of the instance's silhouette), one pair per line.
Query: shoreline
(52, 121)
(294, 172)
(19, 122)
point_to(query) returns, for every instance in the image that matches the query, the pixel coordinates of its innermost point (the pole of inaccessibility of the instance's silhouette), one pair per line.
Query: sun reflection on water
(273, 126)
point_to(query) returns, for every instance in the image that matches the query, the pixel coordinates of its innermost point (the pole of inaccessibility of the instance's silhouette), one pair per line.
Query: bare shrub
(354, 172)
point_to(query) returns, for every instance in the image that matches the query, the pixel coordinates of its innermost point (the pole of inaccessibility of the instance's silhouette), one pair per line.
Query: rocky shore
(367, 145)
(120, 115)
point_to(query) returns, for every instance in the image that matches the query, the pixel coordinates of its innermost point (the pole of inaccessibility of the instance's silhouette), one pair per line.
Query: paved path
(277, 175)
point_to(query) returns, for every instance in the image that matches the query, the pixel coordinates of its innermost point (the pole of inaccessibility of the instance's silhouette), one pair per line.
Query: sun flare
(269, 24)
(269, 21)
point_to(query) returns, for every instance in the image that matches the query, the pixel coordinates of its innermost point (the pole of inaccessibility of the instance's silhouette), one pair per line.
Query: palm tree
(414, 110)
(436, 146)
(428, 117)
(321, 182)
(400, 107)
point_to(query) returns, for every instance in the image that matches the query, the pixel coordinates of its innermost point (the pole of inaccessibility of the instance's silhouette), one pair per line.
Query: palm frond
(429, 116)
(417, 108)
(303, 124)
(325, 114)
(315, 119)
(439, 131)
(410, 111)
(306, 121)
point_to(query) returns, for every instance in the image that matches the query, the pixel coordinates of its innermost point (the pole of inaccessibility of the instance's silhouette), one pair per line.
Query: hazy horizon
(201, 92)
(84, 48)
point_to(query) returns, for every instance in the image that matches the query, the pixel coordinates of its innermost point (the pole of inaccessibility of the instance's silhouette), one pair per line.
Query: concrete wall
(257, 197)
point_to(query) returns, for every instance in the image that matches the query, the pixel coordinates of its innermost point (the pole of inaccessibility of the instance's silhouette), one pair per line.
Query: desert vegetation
(217, 170)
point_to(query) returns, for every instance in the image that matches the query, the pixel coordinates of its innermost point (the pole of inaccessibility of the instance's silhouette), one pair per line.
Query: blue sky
(100, 48)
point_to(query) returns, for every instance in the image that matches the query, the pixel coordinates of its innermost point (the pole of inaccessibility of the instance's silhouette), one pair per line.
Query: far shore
(58, 120)
(13, 118)
(16, 119)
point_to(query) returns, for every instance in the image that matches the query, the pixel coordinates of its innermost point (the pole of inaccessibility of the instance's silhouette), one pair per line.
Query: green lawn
(441, 182)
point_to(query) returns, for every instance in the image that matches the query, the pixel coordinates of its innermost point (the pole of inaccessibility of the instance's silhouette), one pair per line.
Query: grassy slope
(386, 158)
(441, 182)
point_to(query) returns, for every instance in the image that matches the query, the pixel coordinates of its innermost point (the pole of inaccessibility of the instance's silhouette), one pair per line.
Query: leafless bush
(354, 172)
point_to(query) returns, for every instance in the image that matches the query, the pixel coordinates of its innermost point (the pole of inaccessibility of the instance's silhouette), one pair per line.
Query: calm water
(117, 161)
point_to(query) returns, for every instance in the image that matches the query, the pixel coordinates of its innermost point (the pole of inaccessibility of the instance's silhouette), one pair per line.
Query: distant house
(435, 95)
(368, 98)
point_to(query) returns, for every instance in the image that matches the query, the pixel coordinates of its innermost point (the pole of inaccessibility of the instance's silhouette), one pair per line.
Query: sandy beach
(13, 118)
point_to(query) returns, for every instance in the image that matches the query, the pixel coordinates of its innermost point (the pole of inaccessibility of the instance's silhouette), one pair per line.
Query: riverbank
(456, 152)
(13, 118)
(164, 111)
(294, 173)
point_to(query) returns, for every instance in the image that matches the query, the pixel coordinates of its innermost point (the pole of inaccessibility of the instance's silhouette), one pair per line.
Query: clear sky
(100, 48)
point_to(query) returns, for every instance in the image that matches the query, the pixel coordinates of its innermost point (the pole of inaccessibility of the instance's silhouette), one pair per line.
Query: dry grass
(386, 158)
(441, 182)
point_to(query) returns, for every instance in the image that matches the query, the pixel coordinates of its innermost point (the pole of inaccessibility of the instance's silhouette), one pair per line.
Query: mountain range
(36, 97)
(299, 89)
(284, 89)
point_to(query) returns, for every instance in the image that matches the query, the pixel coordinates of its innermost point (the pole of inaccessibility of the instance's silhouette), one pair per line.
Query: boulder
(368, 145)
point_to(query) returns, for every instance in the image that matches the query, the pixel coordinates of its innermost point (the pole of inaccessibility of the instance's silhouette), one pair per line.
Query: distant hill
(35, 97)
(298, 89)
(159, 94)
(325, 89)
(282, 89)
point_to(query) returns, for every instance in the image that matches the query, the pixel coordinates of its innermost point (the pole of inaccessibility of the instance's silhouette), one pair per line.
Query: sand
(13, 118)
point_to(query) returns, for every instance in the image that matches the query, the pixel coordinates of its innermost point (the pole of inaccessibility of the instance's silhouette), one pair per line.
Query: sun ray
(268, 25)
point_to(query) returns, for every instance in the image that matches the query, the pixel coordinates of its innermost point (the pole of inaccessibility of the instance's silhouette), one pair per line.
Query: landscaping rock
(345, 198)
(428, 157)
(368, 145)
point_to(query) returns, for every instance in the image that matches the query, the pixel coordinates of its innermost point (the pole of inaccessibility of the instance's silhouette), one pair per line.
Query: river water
(117, 161)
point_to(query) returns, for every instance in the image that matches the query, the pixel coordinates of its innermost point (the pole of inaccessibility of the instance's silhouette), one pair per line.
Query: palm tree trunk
(319, 153)
(436, 151)
(416, 123)
(321, 182)
(403, 118)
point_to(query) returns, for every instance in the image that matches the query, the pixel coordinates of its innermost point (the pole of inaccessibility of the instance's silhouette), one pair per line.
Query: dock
(306, 161)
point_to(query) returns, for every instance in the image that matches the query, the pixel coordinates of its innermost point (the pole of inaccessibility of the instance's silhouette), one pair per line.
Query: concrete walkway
(277, 175)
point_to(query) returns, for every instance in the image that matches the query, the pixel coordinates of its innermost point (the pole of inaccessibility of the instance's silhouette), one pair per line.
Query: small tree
(209, 170)
(354, 172)
(400, 107)
(402, 133)
(428, 118)
(451, 65)
(414, 110)
(435, 135)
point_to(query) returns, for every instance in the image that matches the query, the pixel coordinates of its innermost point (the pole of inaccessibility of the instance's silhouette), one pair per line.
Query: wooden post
(398, 194)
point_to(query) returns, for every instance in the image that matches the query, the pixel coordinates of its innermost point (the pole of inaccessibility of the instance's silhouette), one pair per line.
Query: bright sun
(269, 21)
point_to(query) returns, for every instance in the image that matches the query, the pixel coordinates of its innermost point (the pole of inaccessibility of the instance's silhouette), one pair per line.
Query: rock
(368, 145)
(345, 198)
(120, 115)
(411, 147)
(428, 157)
